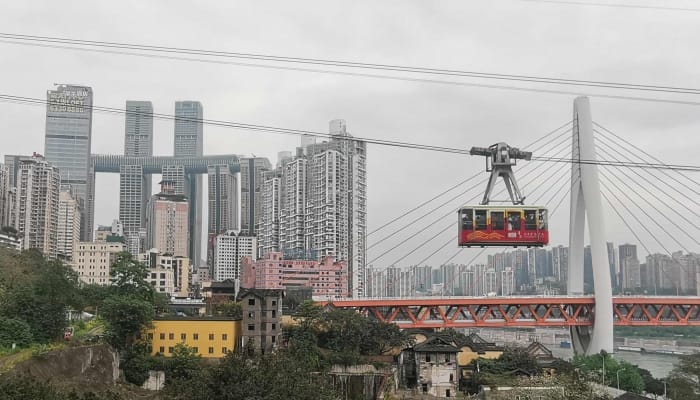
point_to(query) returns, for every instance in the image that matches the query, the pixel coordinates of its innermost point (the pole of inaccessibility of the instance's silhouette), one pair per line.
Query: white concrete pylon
(586, 203)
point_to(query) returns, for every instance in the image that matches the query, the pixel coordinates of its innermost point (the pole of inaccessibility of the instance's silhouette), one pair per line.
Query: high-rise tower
(36, 205)
(189, 139)
(134, 186)
(68, 142)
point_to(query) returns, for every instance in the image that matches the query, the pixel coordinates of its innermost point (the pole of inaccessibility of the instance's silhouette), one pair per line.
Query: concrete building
(92, 261)
(110, 233)
(209, 337)
(134, 186)
(68, 233)
(36, 205)
(269, 232)
(68, 143)
(167, 273)
(224, 205)
(323, 199)
(431, 367)
(189, 142)
(5, 196)
(262, 317)
(326, 279)
(229, 248)
(167, 217)
(251, 190)
(10, 241)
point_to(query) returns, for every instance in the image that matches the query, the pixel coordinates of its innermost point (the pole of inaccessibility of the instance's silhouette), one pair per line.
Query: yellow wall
(466, 356)
(196, 335)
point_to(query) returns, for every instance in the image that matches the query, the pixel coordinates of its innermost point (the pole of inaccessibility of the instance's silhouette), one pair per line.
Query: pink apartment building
(325, 278)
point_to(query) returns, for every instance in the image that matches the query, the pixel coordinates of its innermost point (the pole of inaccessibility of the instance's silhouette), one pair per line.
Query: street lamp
(618, 378)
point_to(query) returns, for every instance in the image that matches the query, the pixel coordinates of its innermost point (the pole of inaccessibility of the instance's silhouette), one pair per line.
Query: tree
(229, 309)
(684, 379)
(125, 316)
(14, 331)
(129, 278)
(183, 364)
(651, 384)
(630, 378)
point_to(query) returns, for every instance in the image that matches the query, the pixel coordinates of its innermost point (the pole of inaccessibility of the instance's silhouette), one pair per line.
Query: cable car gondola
(502, 225)
(512, 225)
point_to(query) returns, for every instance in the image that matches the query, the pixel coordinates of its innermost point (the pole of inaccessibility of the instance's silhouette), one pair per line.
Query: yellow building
(210, 337)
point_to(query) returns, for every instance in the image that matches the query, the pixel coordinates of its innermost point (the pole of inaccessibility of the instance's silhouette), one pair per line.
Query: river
(658, 364)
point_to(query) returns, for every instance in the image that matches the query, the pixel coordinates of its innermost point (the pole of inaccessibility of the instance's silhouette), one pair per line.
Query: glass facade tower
(67, 145)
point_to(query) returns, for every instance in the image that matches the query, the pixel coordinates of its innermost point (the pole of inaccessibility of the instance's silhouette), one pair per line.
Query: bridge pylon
(586, 203)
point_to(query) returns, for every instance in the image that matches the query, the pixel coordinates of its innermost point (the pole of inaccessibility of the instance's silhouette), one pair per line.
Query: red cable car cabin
(503, 226)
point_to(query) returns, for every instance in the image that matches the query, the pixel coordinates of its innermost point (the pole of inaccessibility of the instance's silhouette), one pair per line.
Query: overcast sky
(632, 45)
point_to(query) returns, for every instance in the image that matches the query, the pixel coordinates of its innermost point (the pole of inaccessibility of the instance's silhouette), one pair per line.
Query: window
(467, 219)
(211, 350)
(452, 377)
(195, 336)
(497, 222)
(211, 336)
(162, 336)
(183, 336)
(196, 349)
(251, 327)
(251, 302)
(251, 315)
(427, 358)
(274, 313)
(170, 350)
(273, 338)
(224, 350)
(171, 336)
(224, 336)
(513, 220)
(480, 219)
(161, 349)
(542, 219)
(530, 220)
(425, 388)
(274, 326)
(150, 335)
(274, 303)
(447, 358)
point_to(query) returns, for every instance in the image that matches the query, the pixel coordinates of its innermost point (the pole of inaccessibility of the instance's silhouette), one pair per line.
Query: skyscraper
(4, 196)
(134, 186)
(68, 233)
(252, 171)
(269, 232)
(167, 219)
(224, 206)
(68, 143)
(189, 142)
(36, 205)
(323, 207)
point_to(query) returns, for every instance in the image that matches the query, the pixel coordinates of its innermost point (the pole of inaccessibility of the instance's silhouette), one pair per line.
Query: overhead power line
(382, 142)
(290, 63)
(613, 5)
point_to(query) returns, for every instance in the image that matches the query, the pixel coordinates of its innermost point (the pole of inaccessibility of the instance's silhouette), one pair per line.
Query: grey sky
(647, 46)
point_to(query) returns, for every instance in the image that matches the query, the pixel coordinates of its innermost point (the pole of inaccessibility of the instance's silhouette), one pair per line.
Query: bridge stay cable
(628, 143)
(406, 226)
(614, 145)
(651, 193)
(641, 242)
(652, 219)
(405, 213)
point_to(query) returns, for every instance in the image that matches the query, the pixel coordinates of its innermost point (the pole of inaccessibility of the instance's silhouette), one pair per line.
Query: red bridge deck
(462, 312)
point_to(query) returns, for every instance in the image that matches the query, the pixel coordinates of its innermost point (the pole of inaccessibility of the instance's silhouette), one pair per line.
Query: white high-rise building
(68, 225)
(4, 195)
(36, 205)
(323, 204)
(229, 248)
(269, 232)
